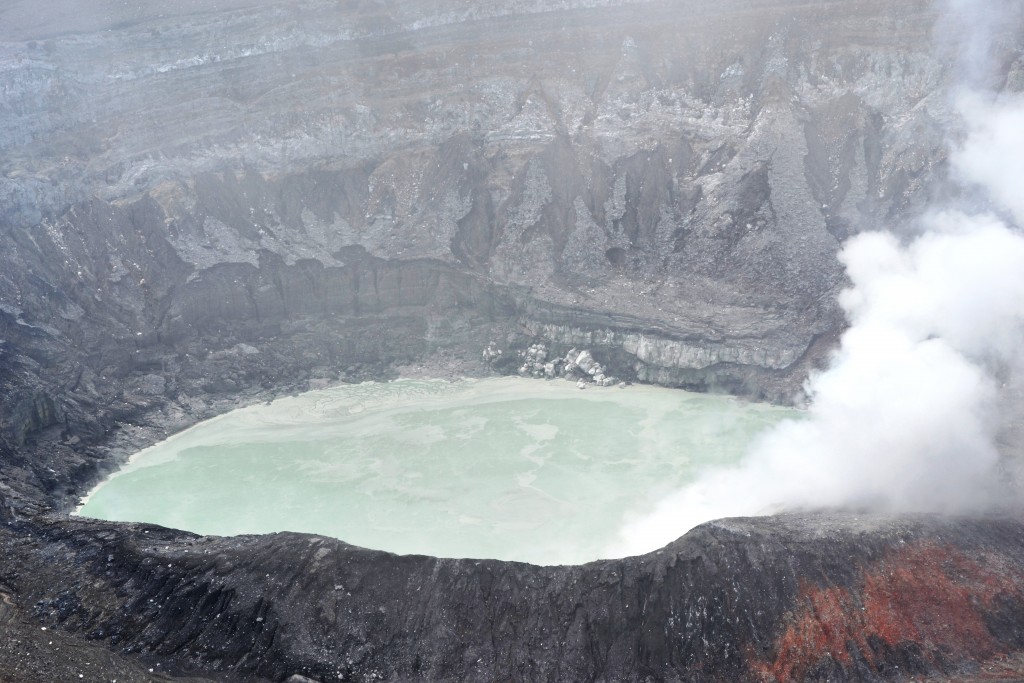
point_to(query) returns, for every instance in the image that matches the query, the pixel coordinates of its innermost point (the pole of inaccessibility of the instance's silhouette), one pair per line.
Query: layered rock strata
(341, 185)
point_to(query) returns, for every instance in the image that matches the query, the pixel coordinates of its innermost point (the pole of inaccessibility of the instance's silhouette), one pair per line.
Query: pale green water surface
(503, 468)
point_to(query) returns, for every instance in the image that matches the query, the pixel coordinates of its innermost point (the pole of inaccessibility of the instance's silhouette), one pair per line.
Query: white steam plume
(908, 416)
(968, 30)
(993, 155)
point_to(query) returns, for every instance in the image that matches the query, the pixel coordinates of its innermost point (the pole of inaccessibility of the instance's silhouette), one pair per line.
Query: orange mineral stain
(927, 595)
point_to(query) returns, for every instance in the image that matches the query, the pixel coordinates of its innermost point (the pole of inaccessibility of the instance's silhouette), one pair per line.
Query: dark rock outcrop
(814, 597)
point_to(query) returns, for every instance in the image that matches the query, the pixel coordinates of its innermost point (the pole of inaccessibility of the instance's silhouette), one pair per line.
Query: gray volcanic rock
(692, 166)
(210, 202)
(665, 182)
(791, 598)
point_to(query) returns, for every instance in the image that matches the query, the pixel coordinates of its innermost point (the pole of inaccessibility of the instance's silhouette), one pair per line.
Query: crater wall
(354, 185)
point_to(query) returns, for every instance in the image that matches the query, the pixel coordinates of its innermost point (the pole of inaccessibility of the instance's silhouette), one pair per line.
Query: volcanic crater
(212, 204)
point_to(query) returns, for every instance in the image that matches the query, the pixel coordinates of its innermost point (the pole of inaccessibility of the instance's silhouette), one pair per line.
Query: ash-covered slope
(792, 598)
(207, 202)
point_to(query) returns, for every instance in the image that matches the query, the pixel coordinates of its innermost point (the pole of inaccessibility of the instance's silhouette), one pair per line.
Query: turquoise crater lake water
(506, 468)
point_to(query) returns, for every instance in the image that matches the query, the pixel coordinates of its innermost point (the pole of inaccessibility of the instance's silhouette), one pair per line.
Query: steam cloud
(909, 414)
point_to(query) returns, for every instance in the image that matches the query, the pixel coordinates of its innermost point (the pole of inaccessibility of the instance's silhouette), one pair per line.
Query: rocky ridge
(813, 597)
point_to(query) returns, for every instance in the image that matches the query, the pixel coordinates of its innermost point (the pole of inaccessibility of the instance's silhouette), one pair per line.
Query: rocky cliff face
(667, 181)
(206, 203)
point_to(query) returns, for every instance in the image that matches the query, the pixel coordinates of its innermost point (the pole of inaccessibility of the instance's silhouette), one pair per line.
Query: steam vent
(211, 204)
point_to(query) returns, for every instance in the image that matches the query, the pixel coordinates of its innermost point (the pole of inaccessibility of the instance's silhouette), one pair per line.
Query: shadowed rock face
(820, 597)
(206, 204)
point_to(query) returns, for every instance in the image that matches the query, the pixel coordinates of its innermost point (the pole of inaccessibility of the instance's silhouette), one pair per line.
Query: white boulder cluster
(583, 363)
(577, 366)
(536, 363)
(492, 352)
